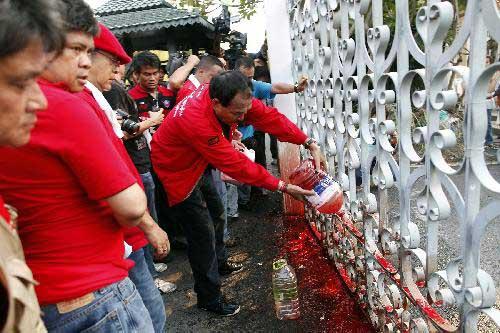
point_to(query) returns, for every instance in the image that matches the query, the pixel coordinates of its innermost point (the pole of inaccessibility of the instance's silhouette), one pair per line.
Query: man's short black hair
(208, 61)
(145, 59)
(262, 74)
(227, 85)
(22, 21)
(79, 17)
(245, 62)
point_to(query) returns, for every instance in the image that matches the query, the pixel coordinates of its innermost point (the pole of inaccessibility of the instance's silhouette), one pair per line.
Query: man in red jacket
(196, 133)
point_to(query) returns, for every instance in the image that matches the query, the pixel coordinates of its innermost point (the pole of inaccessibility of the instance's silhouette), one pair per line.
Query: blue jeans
(220, 186)
(149, 189)
(149, 256)
(232, 200)
(151, 297)
(115, 308)
(489, 131)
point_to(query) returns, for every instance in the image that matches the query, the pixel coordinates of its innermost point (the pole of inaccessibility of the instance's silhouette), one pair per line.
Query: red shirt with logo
(133, 236)
(187, 88)
(145, 102)
(191, 137)
(58, 182)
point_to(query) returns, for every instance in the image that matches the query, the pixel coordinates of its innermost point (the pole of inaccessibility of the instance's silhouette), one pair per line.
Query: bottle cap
(279, 264)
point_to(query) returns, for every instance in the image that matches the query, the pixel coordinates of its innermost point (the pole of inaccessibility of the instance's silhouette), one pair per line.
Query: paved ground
(325, 304)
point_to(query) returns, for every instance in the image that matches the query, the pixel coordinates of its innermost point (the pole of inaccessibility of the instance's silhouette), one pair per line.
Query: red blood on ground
(325, 302)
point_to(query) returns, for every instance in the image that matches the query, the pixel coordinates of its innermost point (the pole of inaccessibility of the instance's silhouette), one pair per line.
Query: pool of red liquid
(326, 304)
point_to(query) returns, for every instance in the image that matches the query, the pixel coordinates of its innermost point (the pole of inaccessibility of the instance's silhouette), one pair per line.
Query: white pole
(280, 65)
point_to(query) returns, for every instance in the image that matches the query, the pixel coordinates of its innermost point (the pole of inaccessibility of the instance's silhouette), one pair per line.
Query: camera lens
(130, 126)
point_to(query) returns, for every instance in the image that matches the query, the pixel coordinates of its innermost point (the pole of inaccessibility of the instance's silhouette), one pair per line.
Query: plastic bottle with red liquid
(328, 197)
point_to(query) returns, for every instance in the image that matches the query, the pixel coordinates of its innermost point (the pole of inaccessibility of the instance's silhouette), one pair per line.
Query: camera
(237, 45)
(128, 125)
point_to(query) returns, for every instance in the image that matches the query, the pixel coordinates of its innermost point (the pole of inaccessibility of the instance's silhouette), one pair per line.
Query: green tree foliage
(246, 8)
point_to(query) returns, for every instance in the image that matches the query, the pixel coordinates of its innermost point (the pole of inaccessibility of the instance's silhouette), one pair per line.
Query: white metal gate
(427, 206)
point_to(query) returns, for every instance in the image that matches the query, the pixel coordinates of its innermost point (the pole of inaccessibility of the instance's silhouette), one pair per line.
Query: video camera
(237, 45)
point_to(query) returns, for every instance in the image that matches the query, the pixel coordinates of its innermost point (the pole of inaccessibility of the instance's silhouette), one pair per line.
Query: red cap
(106, 41)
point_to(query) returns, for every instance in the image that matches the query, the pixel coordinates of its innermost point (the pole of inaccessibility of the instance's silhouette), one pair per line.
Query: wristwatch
(296, 87)
(309, 142)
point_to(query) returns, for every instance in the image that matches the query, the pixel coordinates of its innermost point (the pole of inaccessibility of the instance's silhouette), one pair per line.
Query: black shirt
(137, 147)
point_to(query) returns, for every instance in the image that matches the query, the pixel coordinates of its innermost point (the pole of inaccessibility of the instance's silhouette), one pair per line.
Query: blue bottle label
(323, 184)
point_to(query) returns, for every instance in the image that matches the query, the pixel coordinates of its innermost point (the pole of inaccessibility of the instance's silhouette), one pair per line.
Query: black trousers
(260, 149)
(202, 219)
(166, 218)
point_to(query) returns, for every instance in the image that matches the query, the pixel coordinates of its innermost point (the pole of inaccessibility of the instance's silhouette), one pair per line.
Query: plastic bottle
(286, 296)
(328, 198)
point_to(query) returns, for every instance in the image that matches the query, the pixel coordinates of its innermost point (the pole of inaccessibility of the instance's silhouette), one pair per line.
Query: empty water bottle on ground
(328, 197)
(286, 296)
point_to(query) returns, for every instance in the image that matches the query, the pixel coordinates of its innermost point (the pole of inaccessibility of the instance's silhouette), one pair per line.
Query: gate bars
(360, 105)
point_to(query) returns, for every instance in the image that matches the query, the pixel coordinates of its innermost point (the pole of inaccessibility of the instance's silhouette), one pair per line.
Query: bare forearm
(147, 223)
(143, 126)
(178, 77)
(282, 88)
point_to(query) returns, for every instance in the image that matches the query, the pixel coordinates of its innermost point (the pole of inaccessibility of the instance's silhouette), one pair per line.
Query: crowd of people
(95, 177)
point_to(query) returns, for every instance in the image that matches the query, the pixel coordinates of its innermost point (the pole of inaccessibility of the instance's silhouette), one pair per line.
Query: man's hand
(297, 192)
(301, 84)
(156, 117)
(192, 60)
(156, 236)
(237, 135)
(238, 145)
(318, 157)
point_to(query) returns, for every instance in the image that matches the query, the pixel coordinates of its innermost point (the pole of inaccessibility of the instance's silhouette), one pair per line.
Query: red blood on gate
(328, 198)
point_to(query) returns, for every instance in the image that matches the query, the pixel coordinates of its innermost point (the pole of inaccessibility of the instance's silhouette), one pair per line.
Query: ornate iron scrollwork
(399, 185)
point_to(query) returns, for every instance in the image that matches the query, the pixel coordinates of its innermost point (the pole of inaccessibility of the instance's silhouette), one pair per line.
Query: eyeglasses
(116, 63)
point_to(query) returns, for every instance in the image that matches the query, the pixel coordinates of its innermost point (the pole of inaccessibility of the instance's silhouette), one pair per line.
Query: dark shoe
(245, 206)
(231, 242)
(221, 308)
(232, 219)
(229, 268)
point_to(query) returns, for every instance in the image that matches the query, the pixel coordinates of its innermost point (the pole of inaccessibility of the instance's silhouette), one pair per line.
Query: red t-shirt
(57, 182)
(133, 236)
(191, 137)
(187, 88)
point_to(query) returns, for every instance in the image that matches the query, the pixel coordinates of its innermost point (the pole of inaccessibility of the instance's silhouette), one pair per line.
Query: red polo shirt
(187, 88)
(58, 182)
(133, 236)
(191, 137)
(145, 102)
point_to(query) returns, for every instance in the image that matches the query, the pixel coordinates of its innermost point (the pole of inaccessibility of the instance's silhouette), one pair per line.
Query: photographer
(134, 136)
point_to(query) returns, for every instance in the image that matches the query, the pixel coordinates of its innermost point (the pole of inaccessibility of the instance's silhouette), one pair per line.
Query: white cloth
(194, 80)
(108, 110)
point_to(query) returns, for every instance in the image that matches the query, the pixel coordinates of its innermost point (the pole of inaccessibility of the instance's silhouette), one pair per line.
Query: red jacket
(191, 137)
(187, 88)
